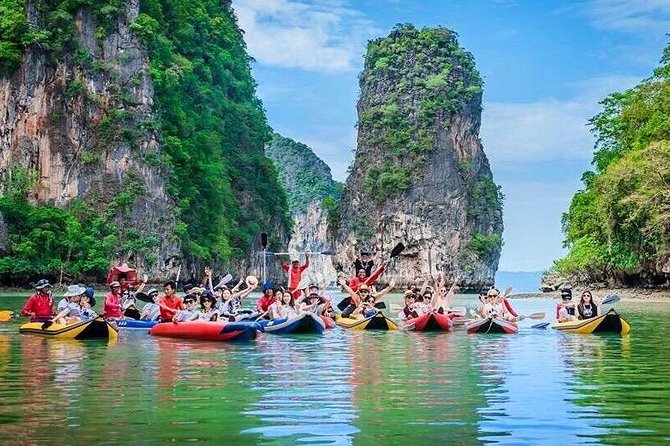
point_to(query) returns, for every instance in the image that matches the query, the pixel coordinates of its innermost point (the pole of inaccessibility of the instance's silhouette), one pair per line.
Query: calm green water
(362, 388)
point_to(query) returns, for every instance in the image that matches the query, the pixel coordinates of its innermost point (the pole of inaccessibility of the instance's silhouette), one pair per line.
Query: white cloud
(547, 129)
(646, 16)
(316, 36)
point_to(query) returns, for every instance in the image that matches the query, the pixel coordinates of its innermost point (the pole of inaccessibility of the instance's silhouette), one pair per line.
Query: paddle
(227, 278)
(380, 305)
(325, 253)
(47, 324)
(541, 325)
(610, 300)
(397, 249)
(264, 244)
(144, 297)
(539, 315)
(6, 315)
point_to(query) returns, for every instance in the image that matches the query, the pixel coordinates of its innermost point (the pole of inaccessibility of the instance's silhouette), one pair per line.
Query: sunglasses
(189, 301)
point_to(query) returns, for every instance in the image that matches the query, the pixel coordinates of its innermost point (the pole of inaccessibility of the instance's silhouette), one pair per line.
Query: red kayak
(208, 331)
(429, 322)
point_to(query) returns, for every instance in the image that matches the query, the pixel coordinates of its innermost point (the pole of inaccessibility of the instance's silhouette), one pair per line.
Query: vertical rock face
(420, 175)
(312, 192)
(83, 123)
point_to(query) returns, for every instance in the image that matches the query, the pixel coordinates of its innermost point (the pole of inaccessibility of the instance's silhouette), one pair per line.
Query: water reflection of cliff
(414, 386)
(305, 390)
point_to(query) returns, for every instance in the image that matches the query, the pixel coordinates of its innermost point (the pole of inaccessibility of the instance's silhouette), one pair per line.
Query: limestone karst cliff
(420, 175)
(312, 194)
(126, 136)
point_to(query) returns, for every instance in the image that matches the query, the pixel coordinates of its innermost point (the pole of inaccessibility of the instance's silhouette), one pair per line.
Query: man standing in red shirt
(39, 306)
(294, 270)
(112, 308)
(170, 302)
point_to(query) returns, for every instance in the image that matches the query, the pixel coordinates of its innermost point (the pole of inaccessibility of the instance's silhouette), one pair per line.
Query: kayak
(132, 324)
(304, 323)
(376, 322)
(208, 331)
(610, 322)
(97, 328)
(491, 325)
(429, 322)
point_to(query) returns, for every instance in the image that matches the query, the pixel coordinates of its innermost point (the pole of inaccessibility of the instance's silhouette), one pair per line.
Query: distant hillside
(307, 177)
(520, 281)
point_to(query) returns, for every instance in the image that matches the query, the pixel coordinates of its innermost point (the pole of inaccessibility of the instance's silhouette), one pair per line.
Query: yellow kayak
(376, 322)
(610, 322)
(96, 328)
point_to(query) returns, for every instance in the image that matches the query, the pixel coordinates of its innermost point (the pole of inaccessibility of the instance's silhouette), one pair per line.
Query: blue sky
(545, 65)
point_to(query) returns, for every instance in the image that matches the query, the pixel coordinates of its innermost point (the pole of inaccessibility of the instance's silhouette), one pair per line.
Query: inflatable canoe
(610, 322)
(491, 325)
(304, 323)
(96, 328)
(208, 331)
(429, 322)
(376, 322)
(132, 324)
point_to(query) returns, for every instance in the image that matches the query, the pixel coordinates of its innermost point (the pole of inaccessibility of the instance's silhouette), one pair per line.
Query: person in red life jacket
(369, 281)
(295, 270)
(267, 299)
(112, 308)
(170, 303)
(364, 263)
(39, 306)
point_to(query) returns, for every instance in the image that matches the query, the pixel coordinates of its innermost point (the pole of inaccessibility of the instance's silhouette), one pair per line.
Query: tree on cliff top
(618, 226)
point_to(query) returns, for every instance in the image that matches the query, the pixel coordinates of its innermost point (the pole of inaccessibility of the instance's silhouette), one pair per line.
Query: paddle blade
(264, 240)
(609, 300)
(47, 324)
(144, 297)
(227, 278)
(536, 316)
(541, 325)
(397, 249)
(328, 253)
(380, 305)
(6, 315)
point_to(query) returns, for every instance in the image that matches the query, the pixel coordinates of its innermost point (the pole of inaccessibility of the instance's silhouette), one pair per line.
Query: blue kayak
(305, 323)
(132, 324)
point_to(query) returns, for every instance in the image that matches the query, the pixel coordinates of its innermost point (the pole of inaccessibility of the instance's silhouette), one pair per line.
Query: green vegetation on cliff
(618, 226)
(211, 126)
(431, 78)
(306, 177)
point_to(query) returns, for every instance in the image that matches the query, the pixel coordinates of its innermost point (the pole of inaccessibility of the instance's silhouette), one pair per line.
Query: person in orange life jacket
(40, 306)
(295, 270)
(170, 302)
(355, 282)
(267, 299)
(566, 309)
(112, 307)
(364, 263)
(586, 307)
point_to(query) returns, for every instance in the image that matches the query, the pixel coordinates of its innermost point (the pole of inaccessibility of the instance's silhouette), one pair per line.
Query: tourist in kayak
(40, 306)
(231, 300)
(355, 282)
(283, 308)
(356, 297)
(208, 311)
(294, 271)
(267, 299)
(366, 309)
(440, 301)
(494, 307)
(586, 307)
(189, 313)
(112, 309)
(69, 300)
(151, 311)
(566, 310)
(312, 301)
(170, 303)
(87, 303)
(71, 313)
(408, 311)
(365, 263)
